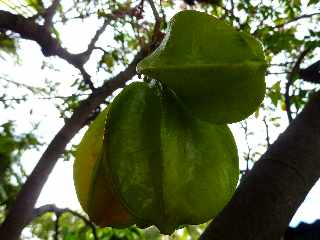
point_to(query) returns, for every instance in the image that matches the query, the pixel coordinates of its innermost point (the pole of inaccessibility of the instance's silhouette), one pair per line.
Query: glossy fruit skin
(216, 71)
(162, 154)
(169, 168)
(159, 165)
(92, 183)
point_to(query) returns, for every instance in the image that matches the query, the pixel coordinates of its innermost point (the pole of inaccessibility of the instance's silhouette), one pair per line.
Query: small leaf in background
(274, 93)
(35, 4)
(108, 60)
(7, 44)
(313, 2)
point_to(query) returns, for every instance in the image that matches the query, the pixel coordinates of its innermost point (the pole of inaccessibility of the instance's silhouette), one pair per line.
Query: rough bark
(270, 194)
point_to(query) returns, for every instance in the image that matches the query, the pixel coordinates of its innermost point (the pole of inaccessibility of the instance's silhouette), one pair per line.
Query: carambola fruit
(156, 164)
(161, 153)
(217, 71)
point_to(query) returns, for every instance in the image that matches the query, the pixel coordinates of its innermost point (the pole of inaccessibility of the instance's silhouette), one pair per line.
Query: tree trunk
(270, 194)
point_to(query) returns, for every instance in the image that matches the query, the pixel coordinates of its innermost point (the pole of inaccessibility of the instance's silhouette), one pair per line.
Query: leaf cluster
(12, 173)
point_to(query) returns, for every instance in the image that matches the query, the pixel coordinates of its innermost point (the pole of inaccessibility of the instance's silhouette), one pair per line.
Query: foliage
(73, 228)
(12, 173)
(7, 44)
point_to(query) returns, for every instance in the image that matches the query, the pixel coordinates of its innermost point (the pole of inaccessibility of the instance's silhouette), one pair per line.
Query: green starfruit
(217, 71)
(163, 166)
(157, 156)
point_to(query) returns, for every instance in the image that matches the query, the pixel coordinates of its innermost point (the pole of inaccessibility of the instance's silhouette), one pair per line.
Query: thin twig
(285, 23)
(56, 226)
(244, 126)
(87, 78)
(18, 84)
(157, 25)
(162, 12)
(290, 79)
(297, 18)
(231, 14)
(87, 222)
(59, 211)
(49, 13)
(281, 64)
(42, 98)
(98, 33)
(232, 6)
(50, 46)
(276, 73)
(154, 11)
(267, 131)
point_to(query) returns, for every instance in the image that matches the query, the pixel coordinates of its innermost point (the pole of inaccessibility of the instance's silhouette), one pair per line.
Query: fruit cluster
(162, 153)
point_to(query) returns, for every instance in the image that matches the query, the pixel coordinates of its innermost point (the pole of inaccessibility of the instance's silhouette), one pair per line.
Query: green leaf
(36, 5)
(7, 44)
(275, 94)
(108, 60)
(311, 2)
(216, 71)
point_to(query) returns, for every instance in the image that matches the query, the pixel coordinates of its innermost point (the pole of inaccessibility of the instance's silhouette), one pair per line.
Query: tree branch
(154, 11)
(56, 227)
(49, 13)
(311, 73)
(50, 46)
(59, 211)
(94, 40)
(21, 211)
(28, 29)
(290, 21)
(231, 14)
(157, 35)
(267, 131)
(297, 18)
(290, 80)
(276, 185)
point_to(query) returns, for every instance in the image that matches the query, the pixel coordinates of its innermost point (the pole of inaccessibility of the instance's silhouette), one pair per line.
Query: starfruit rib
(104, 206)
(91, 181)
(192, 145)
(134, 147)
(126, 127)
(85, 158)
(201, 66)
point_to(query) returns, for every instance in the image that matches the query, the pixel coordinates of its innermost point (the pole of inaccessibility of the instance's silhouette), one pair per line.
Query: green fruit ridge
(161, 153)
(216, 71)
(165, 167)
